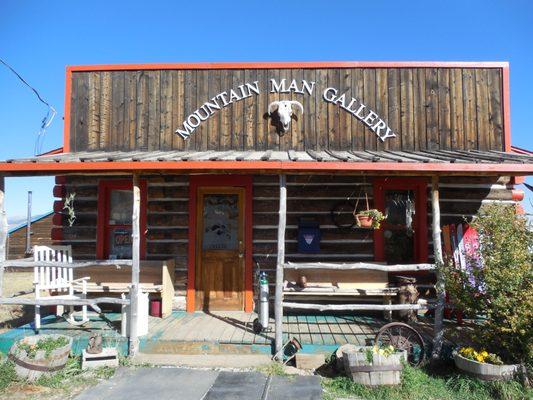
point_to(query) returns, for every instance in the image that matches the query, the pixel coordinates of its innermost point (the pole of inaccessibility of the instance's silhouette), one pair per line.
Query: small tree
(497, 284)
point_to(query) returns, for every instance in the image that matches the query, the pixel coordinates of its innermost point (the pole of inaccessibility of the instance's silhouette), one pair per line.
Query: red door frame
(419, 186)
(245, 181)
(104, 190)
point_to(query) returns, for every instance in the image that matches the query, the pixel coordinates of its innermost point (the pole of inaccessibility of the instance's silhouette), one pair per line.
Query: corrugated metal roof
(421, 156)
(33, 220)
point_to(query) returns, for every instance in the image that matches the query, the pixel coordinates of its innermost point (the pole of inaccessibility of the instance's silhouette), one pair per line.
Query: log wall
(308, 196)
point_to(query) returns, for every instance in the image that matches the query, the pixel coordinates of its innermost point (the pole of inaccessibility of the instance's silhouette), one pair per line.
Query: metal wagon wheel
(403, 337)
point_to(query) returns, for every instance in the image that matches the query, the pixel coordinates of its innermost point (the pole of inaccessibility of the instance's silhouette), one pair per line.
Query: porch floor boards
(229, 332)
(236, 327)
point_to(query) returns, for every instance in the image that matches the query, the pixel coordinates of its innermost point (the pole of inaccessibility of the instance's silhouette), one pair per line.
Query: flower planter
(484, 371)
(32, 368)
(364, 221)
(382, 370)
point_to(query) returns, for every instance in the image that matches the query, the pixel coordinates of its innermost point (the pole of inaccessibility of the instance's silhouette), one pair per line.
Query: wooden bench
(155, 277)
(330, 285)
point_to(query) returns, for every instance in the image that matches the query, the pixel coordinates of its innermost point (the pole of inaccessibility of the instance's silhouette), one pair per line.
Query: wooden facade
(428, 107)
(168, 230)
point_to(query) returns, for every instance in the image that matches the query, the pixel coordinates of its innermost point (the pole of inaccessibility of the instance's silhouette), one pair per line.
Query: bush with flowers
(496, 287)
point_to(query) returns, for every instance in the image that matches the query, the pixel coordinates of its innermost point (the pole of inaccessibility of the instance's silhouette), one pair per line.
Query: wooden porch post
(278, 307)
(437, 249)
(136, 256)
(3, 232)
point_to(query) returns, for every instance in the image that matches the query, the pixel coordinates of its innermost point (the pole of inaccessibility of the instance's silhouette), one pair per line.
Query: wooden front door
(219, 278)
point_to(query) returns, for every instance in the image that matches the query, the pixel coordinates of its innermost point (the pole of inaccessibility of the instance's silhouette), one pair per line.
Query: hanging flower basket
(370, 219)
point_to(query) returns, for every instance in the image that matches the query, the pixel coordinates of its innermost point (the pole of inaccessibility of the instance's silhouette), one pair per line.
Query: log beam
(135, 269)
(3, 233)
(62, 302)
(438, 333)
(360, 266)
(356, 307)
(278, 306)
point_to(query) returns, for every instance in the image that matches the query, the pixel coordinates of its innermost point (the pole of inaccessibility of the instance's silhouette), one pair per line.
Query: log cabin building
(216, 146)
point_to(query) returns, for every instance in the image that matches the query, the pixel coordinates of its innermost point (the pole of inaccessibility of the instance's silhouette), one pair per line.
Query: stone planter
(381, 371)
(32, 368)
(484, 371)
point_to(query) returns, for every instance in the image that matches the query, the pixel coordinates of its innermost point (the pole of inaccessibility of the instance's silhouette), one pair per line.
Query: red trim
(66, 124)
(58, 206)
(290, 64)
(506, 108)
(104, 189)
(520, 150)
(517, 194)
(245, 181)
(59, 150)
(59, 191)
(57, 233)
(57, 219)
(419, 185)
(272, 166)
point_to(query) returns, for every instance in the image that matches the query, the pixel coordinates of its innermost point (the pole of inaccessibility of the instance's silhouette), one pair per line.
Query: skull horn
(298, 105)
(273, 107)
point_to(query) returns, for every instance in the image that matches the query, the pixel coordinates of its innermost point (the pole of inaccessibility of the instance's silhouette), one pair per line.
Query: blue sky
(39, 38)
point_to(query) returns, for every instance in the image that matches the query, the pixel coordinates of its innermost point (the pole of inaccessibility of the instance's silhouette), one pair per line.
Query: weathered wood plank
(495, 110)
(437, 248)
(444, 108)
(482, 110)
(469, 113)
(457, 130)
(117, 110)
(166, 131)
(394, 106)
(432, 109)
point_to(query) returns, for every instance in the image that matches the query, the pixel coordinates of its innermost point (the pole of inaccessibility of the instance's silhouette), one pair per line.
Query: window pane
(398, 226)
(221, 222)
(120, 243)
(121, 207)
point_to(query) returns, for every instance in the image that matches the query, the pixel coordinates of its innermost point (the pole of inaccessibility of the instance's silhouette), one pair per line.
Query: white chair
(58, 280)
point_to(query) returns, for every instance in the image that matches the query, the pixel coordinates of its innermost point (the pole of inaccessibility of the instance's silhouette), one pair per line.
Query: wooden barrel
(484, 371)
(32, 368)
(381, 370)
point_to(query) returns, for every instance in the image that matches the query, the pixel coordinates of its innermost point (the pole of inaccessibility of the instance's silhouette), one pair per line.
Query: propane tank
(263, 299)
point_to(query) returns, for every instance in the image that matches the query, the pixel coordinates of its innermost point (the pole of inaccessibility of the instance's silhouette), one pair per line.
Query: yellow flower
(484, 353)
(480, 358)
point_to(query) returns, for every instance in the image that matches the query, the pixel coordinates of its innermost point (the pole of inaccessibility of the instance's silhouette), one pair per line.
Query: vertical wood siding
(428, 108)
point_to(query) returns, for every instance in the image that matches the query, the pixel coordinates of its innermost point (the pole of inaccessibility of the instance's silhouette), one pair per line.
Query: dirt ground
(11, 316)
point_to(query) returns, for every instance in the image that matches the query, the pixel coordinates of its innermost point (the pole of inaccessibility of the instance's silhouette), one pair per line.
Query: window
(402, 238)
(115, 209)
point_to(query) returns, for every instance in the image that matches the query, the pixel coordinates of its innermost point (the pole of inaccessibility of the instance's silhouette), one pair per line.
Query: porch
(227, 332)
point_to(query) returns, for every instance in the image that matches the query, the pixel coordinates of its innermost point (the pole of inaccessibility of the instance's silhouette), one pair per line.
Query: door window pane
(121, 207)
(398, 226)
(220, 224)
(120, 243)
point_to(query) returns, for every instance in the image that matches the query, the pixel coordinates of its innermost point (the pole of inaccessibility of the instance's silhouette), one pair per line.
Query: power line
(48, 118)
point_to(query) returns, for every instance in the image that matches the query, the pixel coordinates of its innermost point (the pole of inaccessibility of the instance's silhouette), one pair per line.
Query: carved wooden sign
(284, 110)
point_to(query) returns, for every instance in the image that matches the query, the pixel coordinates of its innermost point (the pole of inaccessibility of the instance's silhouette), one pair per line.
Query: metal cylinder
(263, 300)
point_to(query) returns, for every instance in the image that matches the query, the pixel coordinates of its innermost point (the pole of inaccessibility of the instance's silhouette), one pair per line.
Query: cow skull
(285, 111)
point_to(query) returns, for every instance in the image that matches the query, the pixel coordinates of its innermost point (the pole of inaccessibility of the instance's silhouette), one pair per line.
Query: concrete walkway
(190, 384)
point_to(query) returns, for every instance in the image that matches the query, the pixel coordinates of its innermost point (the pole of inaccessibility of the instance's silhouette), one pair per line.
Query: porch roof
(421, 162)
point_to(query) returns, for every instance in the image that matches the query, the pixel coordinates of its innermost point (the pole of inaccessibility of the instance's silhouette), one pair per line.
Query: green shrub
(7, 374)
(497, 284)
